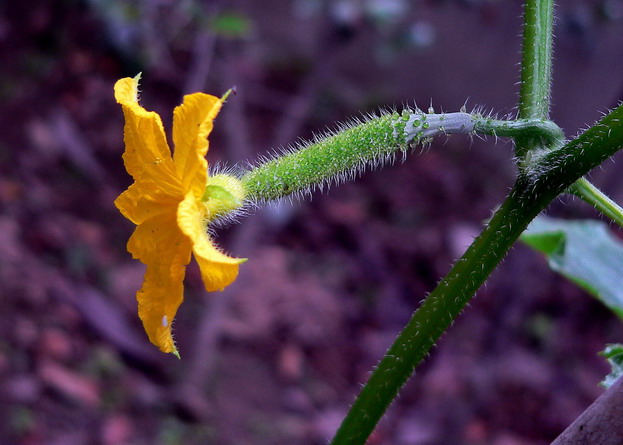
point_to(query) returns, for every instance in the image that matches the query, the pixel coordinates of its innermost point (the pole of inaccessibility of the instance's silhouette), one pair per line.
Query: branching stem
(548, 167)
(548, 171)
(533, 191)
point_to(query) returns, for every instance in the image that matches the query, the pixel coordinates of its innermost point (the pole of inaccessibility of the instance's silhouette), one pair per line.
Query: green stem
(432, 318)
(333, 158)
(536, 66)
(535, 91)
(583, 189)
(536, 62)
(545, 132)
(534, 189)
(343, 155)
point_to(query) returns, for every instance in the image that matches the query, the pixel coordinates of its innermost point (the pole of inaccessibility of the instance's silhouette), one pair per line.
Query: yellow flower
(169, 204)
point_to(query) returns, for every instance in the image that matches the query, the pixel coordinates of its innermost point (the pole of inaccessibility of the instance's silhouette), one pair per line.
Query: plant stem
(536, 62)
(534, 189)
(583, 189)
(547, 133)
(534, 95)
(535, 91)
(540, 180)
(536, 66)
(432, 318)
(343, 155)
(329, 159)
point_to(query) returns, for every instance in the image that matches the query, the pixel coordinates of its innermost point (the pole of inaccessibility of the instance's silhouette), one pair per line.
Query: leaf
(614, 355)
(583, 251)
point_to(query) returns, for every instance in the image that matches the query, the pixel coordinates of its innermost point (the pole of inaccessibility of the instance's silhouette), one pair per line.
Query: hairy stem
(536, 67)
(432, 318)
(545, 132)
(535, 188)
(536, 62)
(583, 189)
(343, 155)
(327, 159)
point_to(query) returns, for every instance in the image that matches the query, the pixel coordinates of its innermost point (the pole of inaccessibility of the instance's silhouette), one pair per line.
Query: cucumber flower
(171, 201)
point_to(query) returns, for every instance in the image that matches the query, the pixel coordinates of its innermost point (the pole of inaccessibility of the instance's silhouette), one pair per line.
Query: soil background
(278, 357)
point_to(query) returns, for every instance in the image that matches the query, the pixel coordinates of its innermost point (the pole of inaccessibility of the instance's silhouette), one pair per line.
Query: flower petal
(147, 156)
(192, 123)
(159, 243)
(142, 201)
(217, 269)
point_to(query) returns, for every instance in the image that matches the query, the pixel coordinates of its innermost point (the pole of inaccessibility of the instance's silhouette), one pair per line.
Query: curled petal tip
(232, 90)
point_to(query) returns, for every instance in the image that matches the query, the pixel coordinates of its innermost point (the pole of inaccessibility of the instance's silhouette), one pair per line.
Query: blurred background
(279, 356)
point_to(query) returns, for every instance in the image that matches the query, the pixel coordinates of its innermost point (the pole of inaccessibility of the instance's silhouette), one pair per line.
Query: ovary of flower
(165, 202)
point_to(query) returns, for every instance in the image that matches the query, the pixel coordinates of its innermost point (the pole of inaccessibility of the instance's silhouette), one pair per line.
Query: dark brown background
(278, 357)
